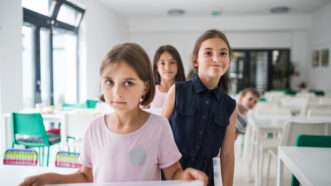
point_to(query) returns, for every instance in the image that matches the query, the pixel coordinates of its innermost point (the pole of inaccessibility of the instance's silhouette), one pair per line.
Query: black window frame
(39, 21)
(270, 68)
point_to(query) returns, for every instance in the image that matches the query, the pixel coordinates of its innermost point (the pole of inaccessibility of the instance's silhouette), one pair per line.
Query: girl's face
(167, 67)
(248, 101)
(213, 58)
(121, 86)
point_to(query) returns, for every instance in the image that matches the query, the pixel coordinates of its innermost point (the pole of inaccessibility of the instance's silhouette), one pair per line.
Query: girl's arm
(176, 172)
(83, 175)
(227, 152)
(169, 103)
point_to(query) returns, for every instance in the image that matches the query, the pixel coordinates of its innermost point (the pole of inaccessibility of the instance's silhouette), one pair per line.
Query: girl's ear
(195, 63)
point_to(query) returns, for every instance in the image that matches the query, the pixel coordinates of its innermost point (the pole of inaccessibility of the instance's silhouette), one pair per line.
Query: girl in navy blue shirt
(201, 114)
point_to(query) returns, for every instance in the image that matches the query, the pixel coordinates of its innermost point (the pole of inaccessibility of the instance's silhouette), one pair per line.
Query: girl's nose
(116, 90)
(215, 58)
(167, 66)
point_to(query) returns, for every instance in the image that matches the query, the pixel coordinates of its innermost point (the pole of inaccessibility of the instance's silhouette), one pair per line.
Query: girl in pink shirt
(167, 68)
(128, 144)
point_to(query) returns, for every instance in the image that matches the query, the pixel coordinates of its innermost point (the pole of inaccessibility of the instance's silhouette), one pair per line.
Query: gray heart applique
(137, 156)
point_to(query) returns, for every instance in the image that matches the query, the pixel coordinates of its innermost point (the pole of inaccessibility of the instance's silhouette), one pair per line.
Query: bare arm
(227, 153)
(176, 172)
(169, 105)
(83, 175)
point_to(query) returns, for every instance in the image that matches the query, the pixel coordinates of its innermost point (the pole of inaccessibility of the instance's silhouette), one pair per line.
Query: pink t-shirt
(137, 156)
(159, 98)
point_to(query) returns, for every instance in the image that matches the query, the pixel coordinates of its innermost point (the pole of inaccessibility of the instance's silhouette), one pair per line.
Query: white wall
(319, 78)
(103, 29)
(10, 55)
(243, 32)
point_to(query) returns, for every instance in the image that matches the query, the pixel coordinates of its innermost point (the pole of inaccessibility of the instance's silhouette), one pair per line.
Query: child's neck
(165, 85)
(210, 82)
(126, 122)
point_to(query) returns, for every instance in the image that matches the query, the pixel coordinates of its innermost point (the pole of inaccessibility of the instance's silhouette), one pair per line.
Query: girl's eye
(172, 62)
(162, 62)
(109, 82)
(223, 53)
(208, 53)
(128, 83)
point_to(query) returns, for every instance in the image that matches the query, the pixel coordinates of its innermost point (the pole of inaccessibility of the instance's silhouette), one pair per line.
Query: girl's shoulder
(97, 123)
(157, 120)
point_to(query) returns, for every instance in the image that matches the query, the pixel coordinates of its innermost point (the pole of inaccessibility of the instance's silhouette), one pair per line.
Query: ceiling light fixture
(279, 9)
(176, 12)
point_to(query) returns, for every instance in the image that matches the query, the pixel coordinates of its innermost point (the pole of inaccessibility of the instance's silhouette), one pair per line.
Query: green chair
(311, 141)
(69, 106)
(29, 131)
(90, 103)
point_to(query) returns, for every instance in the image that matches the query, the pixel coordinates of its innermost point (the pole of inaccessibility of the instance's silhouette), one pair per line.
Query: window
(263, 69)
(50, 49)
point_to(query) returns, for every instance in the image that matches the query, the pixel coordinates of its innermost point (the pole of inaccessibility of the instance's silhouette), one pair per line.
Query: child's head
(126, 77)
(212, 55)
(167, 65)
(248, 98)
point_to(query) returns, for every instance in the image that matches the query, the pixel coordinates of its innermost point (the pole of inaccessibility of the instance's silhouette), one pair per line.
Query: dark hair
(251, 90)
(136, 57)
(210, 34)
(190, 74)
(180, 76)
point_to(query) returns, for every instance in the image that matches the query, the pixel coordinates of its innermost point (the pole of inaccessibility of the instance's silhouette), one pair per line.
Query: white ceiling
(134, 8)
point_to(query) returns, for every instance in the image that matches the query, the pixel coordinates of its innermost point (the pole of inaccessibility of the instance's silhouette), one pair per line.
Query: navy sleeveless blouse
(199, 123)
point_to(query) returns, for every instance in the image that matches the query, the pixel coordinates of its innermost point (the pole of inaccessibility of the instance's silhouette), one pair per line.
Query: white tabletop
(15, 174)
(311, 166)
(140, 183)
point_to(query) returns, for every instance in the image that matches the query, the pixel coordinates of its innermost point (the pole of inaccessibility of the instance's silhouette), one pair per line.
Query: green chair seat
(31, 140)
(311, 141)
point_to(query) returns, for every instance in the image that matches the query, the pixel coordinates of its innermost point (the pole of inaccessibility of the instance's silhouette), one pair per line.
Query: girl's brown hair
(210, 34)
(136, 57)
(180, 76)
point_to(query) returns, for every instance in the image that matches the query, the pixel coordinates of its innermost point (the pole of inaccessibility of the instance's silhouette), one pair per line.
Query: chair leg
(268, 168)
(40, 157)
(43, 156)
(47, 156)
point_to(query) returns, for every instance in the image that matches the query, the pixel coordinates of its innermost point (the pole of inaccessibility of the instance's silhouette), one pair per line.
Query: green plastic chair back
(29, 130)
(318, 92)
(91, 103)
(311, 141)
(31, 125)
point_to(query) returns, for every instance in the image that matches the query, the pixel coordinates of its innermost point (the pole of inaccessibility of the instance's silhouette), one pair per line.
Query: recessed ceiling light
(279, 9)
(176, 12)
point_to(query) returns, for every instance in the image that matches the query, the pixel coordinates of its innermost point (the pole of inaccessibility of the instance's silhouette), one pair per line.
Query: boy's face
(213, 58)
(248, 101)
(167, 67)
(121, 86)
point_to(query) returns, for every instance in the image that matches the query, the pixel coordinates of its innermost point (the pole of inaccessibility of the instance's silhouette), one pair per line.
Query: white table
(140, 183)
(311, 166)
(14, 174)
(262, 125)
